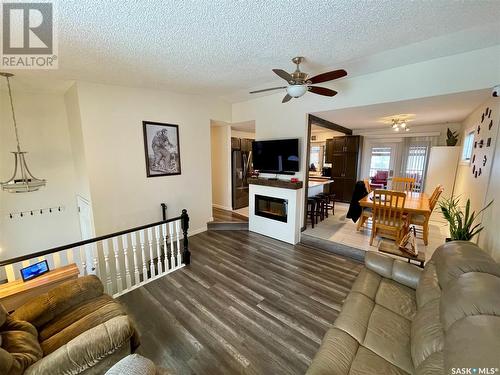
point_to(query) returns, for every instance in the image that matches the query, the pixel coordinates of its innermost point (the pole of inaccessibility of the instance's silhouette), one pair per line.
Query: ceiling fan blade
(286, 76)
(322, 91)
(273, 88)
(328, 76)
(286, 98)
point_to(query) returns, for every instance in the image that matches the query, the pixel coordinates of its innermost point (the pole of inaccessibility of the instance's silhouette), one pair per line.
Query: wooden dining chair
(388, 219)
(423, 220)
(403, 183)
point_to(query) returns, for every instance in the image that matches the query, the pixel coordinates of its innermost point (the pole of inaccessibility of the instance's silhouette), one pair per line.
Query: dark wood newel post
(164, 211)
(186, 254)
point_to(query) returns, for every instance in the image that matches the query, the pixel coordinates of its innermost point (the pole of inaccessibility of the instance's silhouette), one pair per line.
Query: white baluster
(143, 254)
(9, 271)
(177, 237)
(95, 259)
(137, 279)
(172, 249)
(117, 265)
(56, 258)
(165, 247)
(128, 278)
(83, 260)
(151, 263)
(158, 250)
(107, 268)
(69, 256)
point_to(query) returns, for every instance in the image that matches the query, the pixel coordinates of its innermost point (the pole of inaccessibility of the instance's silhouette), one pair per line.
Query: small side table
(391, 248)
(16, 293)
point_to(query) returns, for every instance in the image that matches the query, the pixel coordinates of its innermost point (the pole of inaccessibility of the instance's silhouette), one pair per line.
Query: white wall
(122, 195)
(221, 165)
(43, 132)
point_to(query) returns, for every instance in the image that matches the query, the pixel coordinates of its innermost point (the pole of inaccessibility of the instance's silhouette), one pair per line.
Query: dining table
(415, 203)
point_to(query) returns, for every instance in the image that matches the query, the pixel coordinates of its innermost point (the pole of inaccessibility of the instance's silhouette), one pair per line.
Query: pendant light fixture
(22, 181)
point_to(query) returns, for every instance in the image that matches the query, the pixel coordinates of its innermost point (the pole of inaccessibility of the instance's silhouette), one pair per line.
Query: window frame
(471, 132)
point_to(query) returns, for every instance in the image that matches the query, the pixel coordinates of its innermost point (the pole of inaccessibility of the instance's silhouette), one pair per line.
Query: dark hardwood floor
(225, 216)
(247, 304)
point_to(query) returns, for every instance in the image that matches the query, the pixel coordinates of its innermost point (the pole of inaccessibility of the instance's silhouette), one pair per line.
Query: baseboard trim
(222, 207)
(334, 247)
(197, 231)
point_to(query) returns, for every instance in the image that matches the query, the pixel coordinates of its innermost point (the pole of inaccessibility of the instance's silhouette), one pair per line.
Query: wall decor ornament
(162, 149)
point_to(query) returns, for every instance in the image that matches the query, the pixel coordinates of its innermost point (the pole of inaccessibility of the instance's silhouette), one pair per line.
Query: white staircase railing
(124, 260)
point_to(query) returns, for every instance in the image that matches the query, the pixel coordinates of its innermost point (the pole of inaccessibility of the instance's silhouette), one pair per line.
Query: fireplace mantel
(284, 184)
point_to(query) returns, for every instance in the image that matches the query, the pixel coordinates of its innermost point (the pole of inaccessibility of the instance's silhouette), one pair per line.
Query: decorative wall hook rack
(36, 211)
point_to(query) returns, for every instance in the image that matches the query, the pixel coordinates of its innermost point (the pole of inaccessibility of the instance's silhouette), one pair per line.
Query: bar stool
(312, 213)
(330, 202)
(321, 203)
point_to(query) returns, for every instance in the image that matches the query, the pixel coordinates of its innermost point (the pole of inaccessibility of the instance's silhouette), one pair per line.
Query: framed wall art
(162, 149)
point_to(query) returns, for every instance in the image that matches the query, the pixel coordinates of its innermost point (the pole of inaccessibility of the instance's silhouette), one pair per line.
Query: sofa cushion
(91, 348)
(20, 347)
(3, 315)
(397, 298)
(101, 314)
(473, 293)
(367, 362)
(473, 342)
(427, 336)
(434, 364)
(458, 257)
(45, 307)
(428, 286)
(355, 315)
(388, 335)
(367, 283)
(73, 315)
(335, 355)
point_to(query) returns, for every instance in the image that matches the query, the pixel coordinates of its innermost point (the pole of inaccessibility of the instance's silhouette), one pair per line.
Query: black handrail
(184, 222)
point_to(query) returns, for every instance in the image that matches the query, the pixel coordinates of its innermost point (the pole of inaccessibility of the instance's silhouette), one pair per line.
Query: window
(380, 160)
(316, 159)
(468, 146)
(415, 164)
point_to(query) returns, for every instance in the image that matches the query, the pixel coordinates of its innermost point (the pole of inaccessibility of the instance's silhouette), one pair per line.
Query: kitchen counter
(316, 187)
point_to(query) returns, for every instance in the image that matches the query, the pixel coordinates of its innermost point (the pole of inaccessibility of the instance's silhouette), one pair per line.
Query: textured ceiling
(433, 110)
(225, 48)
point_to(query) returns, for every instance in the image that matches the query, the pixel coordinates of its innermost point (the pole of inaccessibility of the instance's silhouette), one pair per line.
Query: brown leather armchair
(74, 328)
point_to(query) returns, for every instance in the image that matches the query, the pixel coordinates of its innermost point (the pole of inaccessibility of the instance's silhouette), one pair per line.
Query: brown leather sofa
(72, 329)
(399, 319)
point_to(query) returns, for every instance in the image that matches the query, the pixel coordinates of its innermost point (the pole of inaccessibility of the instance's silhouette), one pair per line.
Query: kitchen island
(317, 186)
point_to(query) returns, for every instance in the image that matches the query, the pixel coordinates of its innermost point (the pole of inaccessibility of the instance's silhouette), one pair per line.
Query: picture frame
(161, 149)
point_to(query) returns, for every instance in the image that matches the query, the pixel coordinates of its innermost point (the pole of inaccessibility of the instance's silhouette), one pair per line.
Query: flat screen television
(277, 156)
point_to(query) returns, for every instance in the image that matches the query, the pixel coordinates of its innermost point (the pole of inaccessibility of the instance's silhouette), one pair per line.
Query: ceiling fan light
(403, 124)
(407, 129)
(296, 91)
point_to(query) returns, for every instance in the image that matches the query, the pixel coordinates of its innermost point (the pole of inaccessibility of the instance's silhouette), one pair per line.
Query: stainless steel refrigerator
(241, 157)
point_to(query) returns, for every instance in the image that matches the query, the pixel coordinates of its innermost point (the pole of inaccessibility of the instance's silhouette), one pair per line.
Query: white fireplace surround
(287, 232)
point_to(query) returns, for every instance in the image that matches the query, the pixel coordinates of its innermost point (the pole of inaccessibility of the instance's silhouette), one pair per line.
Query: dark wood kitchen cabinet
(344, 153)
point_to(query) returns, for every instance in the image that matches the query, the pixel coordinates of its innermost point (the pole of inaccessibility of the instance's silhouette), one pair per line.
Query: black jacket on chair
(354, 208)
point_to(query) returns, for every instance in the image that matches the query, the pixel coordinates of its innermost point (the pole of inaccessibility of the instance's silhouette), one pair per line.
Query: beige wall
(43, 132)
(221, 165)
(122, 195)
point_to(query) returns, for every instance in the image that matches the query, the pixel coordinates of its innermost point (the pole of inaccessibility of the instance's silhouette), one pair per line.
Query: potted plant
(463, 226)
(452, 138)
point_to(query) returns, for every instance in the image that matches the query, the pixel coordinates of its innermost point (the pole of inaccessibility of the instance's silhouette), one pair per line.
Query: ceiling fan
(299, 83)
